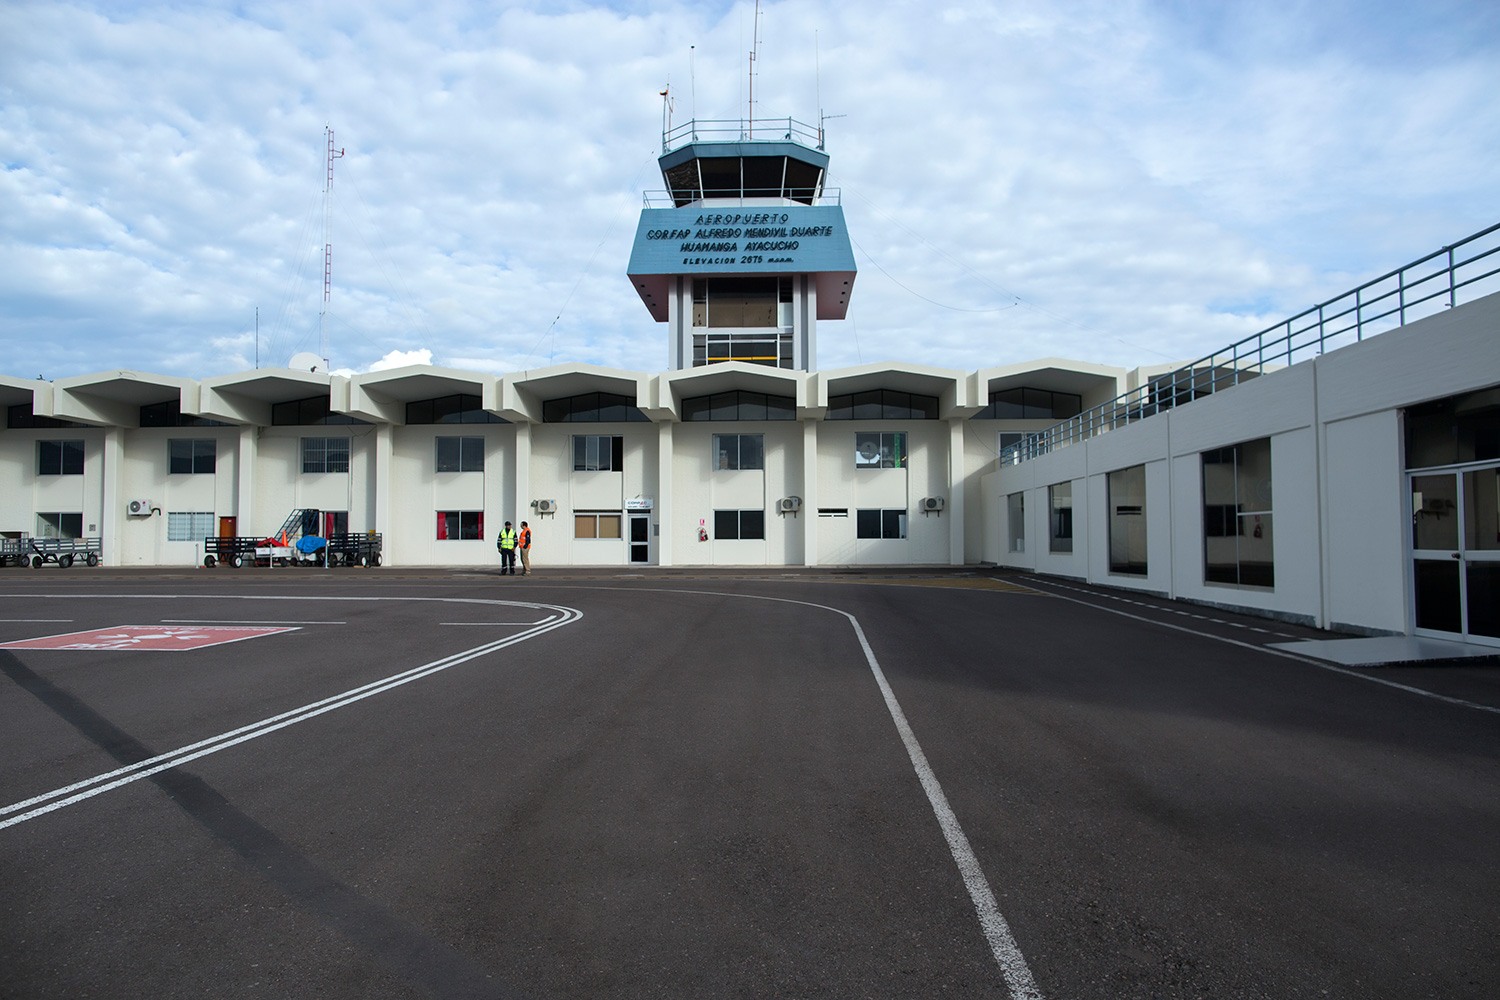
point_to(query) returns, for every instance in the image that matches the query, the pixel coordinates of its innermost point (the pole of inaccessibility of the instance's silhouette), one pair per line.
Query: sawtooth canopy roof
(382, 396)
(521, 394)
(949, 385)
(725, 376)
(114, 397)
(1057, 374)
(15, 391)
(247, 397)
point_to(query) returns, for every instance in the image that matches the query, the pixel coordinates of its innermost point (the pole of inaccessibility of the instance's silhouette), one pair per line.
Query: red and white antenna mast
(333, 154)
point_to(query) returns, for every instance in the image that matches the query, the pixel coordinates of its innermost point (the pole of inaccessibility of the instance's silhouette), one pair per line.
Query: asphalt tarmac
(448, 784)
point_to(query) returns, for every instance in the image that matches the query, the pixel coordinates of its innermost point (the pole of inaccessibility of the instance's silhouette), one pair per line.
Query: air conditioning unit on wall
(546, 506)
(138, 508)
(788, 505)
(932, 505)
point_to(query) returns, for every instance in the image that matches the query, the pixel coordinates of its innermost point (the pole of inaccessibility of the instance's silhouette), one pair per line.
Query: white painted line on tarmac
(1276, 652)
(239, 621)
(40, 805)
(511, 624)
(1002, 942)
(1018, 978)
(46, 620)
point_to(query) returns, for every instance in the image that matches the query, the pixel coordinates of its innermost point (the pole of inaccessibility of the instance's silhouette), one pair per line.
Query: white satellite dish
(306, 361)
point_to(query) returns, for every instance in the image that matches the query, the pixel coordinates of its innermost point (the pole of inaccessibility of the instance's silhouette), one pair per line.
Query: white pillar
(244, 506)
(955, 511)
(809, 492)
(664, 462)
(385, 450)
(521, 479)
(110, 498)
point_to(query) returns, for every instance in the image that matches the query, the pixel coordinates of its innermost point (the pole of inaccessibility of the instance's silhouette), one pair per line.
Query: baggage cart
(229, 550)
(15, 551)
(65, 551)
(354, 548)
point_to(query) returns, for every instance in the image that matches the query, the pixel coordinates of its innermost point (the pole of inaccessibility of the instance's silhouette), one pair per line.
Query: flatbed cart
(228, 549)
(15, 551)
(354, 548)
(65, 551)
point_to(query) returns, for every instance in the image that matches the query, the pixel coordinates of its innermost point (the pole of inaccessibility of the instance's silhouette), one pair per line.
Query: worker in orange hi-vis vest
(524, 545)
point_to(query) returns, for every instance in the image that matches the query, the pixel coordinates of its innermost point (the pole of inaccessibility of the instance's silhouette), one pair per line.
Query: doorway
(640, 538)
(1455, 542)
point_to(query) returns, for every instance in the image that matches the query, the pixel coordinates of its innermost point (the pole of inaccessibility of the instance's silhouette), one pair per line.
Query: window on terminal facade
(739, 524)
(186, 456)
(597, 524)
(739, 451)
(598, 453)
(1126, 497)
(1237, 538)
(1031, 404)
(325, 455)
(460, 525)
(876, 450)
(739, 405)
(460, 454)
(882, 404)
(189, 526)
(1060, 517)
(59, 458)
(880, 523)
(59, 524)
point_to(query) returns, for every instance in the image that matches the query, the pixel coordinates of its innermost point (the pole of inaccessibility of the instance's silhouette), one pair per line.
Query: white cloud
(401, 359)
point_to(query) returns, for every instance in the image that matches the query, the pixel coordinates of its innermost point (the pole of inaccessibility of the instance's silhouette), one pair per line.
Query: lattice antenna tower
(333, 154)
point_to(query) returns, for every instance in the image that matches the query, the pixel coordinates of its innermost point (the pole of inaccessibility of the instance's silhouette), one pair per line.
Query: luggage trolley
(15, 551)
(354, 548)
(65, 551)
(230, 550)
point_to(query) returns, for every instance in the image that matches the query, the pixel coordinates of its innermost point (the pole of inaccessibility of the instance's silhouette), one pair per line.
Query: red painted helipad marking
(147, 637)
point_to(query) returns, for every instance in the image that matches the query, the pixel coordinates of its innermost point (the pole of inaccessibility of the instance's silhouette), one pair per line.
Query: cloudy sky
(1114, 181)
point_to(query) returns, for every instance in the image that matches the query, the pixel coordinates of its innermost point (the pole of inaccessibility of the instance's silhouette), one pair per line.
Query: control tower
(746, 249)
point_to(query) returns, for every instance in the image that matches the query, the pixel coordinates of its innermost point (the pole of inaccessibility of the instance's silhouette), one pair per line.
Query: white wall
(1339, 529)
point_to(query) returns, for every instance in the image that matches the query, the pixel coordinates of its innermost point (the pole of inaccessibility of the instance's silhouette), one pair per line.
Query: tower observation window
(736, 177)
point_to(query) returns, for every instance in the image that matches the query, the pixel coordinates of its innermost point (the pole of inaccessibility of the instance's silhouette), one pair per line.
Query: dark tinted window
(592, 407)
(882, 404)
(739, 405)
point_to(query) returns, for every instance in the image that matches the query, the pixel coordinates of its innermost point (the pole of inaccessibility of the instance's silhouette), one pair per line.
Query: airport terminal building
(1339, 469)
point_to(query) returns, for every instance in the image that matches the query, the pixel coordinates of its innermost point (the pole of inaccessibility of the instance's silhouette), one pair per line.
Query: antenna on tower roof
(754, 47)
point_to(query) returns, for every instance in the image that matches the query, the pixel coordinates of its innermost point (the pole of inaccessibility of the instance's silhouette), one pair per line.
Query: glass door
(640, 538)
(1456, 553)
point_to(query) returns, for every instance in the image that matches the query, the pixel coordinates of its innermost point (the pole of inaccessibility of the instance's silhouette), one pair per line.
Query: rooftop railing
(1443, 279)
(742, 130)
(662, 198)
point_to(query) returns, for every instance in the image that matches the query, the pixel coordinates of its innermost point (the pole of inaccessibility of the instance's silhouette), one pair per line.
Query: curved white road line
(78, 791)
(1018, 978)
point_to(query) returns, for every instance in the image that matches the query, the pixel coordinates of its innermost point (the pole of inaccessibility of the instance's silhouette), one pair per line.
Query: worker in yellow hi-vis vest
(506, 543)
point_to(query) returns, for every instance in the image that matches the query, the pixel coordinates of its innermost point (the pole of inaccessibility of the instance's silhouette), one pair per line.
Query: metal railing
(1438, 281)
(742, 130)
(661, 198)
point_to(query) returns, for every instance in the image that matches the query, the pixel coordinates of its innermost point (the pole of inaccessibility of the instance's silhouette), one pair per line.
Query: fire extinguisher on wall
(702, 532)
